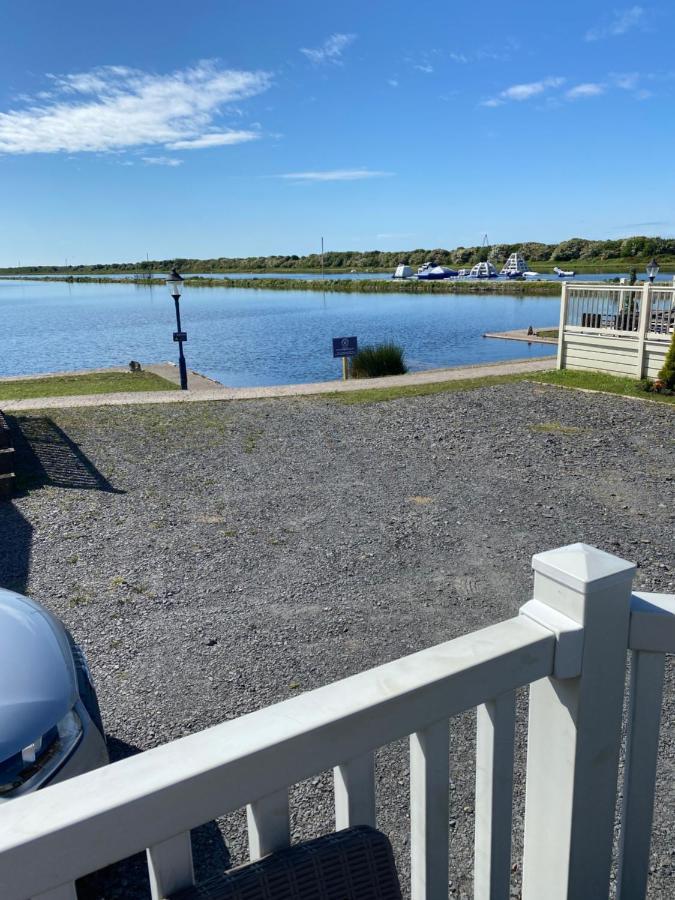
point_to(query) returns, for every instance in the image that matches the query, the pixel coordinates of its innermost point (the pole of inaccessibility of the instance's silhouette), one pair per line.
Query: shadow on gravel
(46, 456)
(16, 535)
(128, 879)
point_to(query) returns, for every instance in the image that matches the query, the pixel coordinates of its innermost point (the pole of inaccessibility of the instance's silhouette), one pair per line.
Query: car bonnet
(37, 679)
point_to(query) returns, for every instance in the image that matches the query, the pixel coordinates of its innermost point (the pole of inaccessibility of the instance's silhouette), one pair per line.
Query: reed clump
(375, 361)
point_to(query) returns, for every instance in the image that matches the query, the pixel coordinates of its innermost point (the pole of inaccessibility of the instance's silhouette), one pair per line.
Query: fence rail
(569, 644)
(621, 329)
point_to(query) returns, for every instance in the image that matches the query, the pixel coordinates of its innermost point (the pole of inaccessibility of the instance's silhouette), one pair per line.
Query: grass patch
(74, 385)
(548, 333)
(379, 395)
(599, 381)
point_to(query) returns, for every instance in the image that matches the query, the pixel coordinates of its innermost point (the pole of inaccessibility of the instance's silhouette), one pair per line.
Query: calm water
(247, 337)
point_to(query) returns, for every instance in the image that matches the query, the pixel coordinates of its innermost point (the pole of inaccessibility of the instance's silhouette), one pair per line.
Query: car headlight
(30, 767)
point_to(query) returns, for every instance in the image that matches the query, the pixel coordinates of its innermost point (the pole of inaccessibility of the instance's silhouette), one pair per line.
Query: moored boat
(564, 273)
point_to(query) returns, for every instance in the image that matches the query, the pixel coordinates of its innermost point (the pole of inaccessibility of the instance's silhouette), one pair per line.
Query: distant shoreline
(334, 285)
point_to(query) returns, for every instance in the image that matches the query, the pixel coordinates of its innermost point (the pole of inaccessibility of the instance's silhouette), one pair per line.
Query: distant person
(633, 277)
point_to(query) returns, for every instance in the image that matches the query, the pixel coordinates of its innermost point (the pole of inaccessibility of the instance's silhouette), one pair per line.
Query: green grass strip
(379, 395)
(600, 381)
(75, 385)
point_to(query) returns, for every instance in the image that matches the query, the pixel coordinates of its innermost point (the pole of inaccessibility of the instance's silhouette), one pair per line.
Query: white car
(50, 723)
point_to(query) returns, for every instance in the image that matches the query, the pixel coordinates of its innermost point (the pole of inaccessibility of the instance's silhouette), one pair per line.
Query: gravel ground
(214, 558)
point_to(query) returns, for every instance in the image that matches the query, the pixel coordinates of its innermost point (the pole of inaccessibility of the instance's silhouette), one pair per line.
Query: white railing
(569, 644)
(621, 329)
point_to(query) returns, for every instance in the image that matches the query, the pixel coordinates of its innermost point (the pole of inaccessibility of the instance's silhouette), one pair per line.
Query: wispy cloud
(392, 82)
(162, 161)
(623, 21)
(583, 91)
(116, 108)
(215, 139)
(520, 92)
(335, 175)
(331, 50)
(427, 68)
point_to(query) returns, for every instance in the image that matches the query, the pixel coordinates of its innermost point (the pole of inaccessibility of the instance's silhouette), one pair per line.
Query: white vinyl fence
(623, 330)
(569, 644)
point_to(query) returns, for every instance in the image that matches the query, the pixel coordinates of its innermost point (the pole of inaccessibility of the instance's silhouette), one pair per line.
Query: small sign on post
(179, 336)
(343, 348)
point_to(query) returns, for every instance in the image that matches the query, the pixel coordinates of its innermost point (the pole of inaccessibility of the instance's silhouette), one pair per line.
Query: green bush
(375, 361)
(667, 373)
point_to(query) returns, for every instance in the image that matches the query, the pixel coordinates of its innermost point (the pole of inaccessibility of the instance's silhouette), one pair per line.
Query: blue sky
(241, 128)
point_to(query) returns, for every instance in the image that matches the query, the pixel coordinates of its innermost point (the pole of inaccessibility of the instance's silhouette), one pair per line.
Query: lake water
(246, 337)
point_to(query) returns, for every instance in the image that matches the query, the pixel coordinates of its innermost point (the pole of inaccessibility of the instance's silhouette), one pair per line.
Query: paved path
(430, 376)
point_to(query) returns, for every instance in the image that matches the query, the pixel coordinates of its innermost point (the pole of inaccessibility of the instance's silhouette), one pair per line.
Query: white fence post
(643, 325)
(268, 824)
(429, 813)
(495, 727)
(561, 327)
(355, 792)
(644, 719)
(575, 729)
(170, 866)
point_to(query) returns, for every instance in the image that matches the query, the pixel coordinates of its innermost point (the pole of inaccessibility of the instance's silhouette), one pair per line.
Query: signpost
(343, 348)
(180, 336)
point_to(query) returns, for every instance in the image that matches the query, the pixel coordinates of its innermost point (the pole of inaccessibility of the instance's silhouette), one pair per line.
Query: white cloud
(115, 108)
(336, 175)
(624, 20)
(459, 58)
(426, 68)
(215, 139)
(162, 161)
(520, 92)
(582, 91)
(331, 49)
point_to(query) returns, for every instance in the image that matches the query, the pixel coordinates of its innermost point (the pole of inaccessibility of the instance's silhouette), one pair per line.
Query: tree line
(634, 249)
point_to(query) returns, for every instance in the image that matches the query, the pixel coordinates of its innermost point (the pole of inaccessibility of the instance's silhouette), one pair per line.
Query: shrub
(667, 373)
(376, 361)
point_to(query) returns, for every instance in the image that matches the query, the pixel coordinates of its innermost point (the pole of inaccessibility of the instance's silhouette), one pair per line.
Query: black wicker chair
(354, 864)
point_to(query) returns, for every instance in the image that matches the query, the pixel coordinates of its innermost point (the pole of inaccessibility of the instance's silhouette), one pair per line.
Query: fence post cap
(582, 568)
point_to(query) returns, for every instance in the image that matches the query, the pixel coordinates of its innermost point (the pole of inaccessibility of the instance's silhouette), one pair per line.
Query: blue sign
(344, 346)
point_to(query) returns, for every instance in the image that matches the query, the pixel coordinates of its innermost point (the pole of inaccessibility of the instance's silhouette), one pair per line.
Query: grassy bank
(76, 385)
(591, 381)
(341, 285)
(600, 381)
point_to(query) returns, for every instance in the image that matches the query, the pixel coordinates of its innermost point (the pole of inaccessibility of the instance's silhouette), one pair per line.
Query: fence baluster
(268, 824)
(494, 797)
(644, 719)
(170, 866)
(64, 892)
(429, 788)
(355, 792)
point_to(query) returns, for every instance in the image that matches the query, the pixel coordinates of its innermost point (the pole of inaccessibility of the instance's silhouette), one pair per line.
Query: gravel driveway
(214, 558)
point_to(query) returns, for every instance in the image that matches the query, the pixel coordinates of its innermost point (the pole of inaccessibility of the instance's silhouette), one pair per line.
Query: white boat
(564, 273)
(529, 274)
(430, 272)
(403, 271)
(515, 266)
(483, 270)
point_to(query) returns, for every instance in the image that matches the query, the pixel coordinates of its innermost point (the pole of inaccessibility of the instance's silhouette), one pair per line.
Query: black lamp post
(174, 282)
(652, 269)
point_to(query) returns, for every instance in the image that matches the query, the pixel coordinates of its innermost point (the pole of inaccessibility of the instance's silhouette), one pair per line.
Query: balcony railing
(569, 644)
(622, 329)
